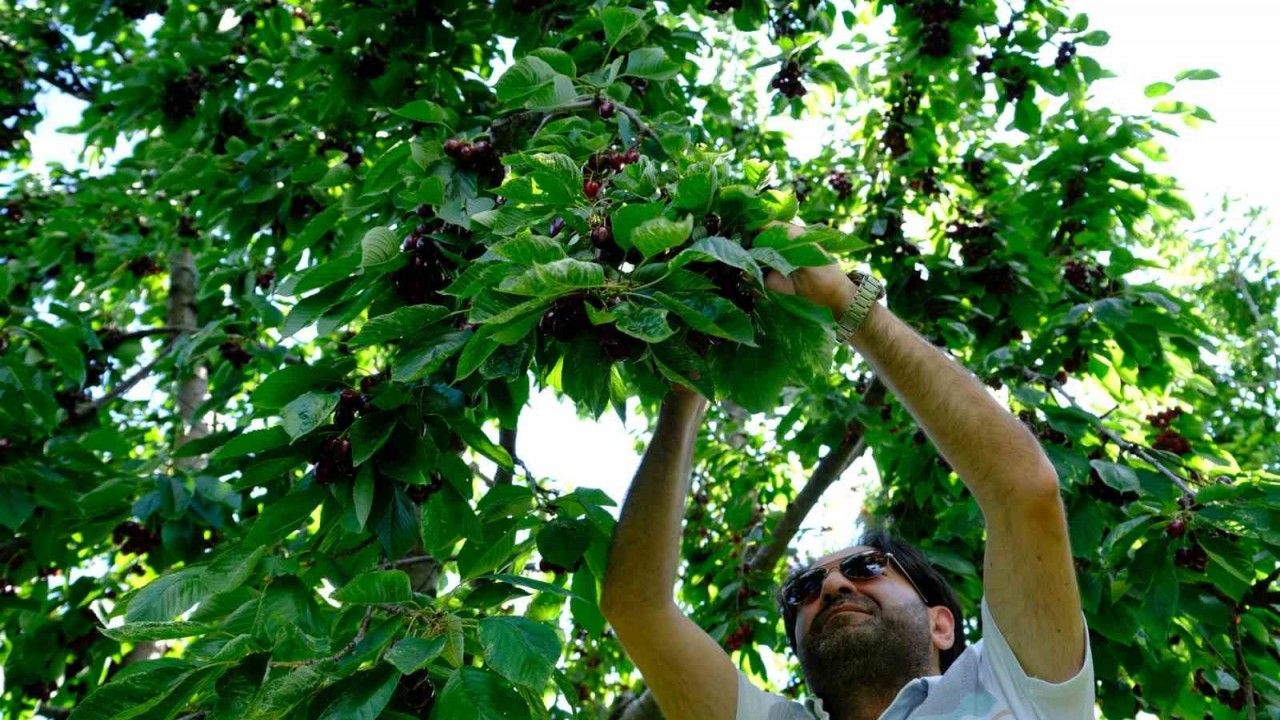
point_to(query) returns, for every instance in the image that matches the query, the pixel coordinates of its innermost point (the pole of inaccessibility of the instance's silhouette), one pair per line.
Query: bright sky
(1151, 40)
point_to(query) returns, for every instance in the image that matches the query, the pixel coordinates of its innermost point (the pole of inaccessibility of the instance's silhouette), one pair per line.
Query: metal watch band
(869, 291)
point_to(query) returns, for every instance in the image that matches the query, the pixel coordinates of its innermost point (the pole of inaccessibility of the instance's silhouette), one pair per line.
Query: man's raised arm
(688, 673)
(1029, 577)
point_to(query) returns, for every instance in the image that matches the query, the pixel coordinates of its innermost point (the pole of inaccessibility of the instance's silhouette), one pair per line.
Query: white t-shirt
(984, 683)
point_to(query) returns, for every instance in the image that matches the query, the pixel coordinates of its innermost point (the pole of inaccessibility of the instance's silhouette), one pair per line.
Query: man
(876, 630)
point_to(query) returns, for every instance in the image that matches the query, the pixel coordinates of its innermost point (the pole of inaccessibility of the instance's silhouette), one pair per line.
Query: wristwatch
(869, 291)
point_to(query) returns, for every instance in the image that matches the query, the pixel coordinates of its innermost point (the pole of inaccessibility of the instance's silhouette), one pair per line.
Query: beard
(866, 655)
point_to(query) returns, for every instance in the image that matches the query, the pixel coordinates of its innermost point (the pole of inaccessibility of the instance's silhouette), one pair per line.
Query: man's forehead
(841, 553)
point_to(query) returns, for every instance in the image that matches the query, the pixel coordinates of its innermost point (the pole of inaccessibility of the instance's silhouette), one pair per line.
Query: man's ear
(942, 627)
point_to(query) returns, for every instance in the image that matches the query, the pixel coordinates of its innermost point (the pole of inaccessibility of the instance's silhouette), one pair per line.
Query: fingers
(778, 282)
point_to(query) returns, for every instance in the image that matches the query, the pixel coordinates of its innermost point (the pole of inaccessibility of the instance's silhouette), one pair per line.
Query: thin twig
(112, 340)
(84, 410)
(403, 562)
(634, 117)
(1246, 679)
(1128, 446)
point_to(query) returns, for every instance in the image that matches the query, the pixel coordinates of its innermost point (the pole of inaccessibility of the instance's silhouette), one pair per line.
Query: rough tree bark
(766, 557)
(180, 315)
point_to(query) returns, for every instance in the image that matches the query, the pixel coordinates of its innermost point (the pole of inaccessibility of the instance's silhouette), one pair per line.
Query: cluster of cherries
(181, 97)
(1168, 439)
(977, 241)
(265, 279)
(567, 318)
(1234, 699)
(840, 183)
(1088, 278)
(732, 284)
(787, 81)
(1066, 52)
(143, 266)
(420, 493)
(427, 272)
(479, 155)
(603, 164)
(739, 637)
(1042, 430)
(133, 538)
(724, 6)
(233, 352)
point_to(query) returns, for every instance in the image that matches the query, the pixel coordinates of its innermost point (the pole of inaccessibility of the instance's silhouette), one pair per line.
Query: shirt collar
(907, 699)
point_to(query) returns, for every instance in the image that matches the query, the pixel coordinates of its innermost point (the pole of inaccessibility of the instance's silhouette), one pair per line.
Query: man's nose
(836, 586)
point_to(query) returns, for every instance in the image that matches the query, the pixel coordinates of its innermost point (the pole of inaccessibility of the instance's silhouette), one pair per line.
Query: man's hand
(826, 286)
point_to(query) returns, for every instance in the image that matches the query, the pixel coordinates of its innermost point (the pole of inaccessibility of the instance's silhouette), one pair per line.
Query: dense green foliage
(252, 373)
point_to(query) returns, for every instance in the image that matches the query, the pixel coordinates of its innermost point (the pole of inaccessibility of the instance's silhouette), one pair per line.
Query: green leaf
(618, 22)
(557, 178)
(59, 346)
(283, 385)
(423, 111)
(559, 60)
(379, 245)
(368, 434)
(523, 79)
(658, 234)
(376, 588)
(629, 217)
(168, 596)
(477, 277)
(151, 631)
(694, 192)
(1026, 115)
(648, 324)
(406, 322)
(412, 653)
(480, 695)
(651, 63)
(1120, 477)
(284, 516)
(563, 541)
(415, 363)
(556, 278)
(253, 441)
(529, 250)
(710, 314)
(723, 250)
(1096, 38)
(308, 412)
(476, 438)
(362, 495)
(133, 694)
(1201, 74)
(363, 695)
(522, 650)
(1157, 89)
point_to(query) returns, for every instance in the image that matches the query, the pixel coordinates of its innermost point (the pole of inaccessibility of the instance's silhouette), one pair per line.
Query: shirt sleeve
(1070, 699)
(756, 704)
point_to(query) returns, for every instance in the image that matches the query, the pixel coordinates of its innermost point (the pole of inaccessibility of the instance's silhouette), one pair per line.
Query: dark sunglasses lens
(803, 588)
(864, 567)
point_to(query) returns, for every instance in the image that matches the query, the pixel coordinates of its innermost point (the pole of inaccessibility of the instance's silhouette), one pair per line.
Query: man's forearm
(991, 450)
(645, 551)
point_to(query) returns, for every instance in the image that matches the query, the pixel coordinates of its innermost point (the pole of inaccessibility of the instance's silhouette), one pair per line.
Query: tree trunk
(181, 315)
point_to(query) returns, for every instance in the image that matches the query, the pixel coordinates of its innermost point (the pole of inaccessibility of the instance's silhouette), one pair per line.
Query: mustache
(826, 614)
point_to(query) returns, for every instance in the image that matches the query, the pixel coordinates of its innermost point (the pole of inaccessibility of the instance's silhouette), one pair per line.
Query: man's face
(867, 631)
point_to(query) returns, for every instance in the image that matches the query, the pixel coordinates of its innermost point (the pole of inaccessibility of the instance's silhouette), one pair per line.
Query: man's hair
(932, 585)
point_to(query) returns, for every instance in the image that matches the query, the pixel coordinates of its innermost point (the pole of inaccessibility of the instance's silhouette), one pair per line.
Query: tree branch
(111, 340)
(829, 469)
(507, 439)
(1246, 679)
(84, 410)
(1131, 447)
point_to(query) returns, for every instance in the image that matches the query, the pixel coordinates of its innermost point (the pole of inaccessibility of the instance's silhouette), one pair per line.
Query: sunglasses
(862, 565)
